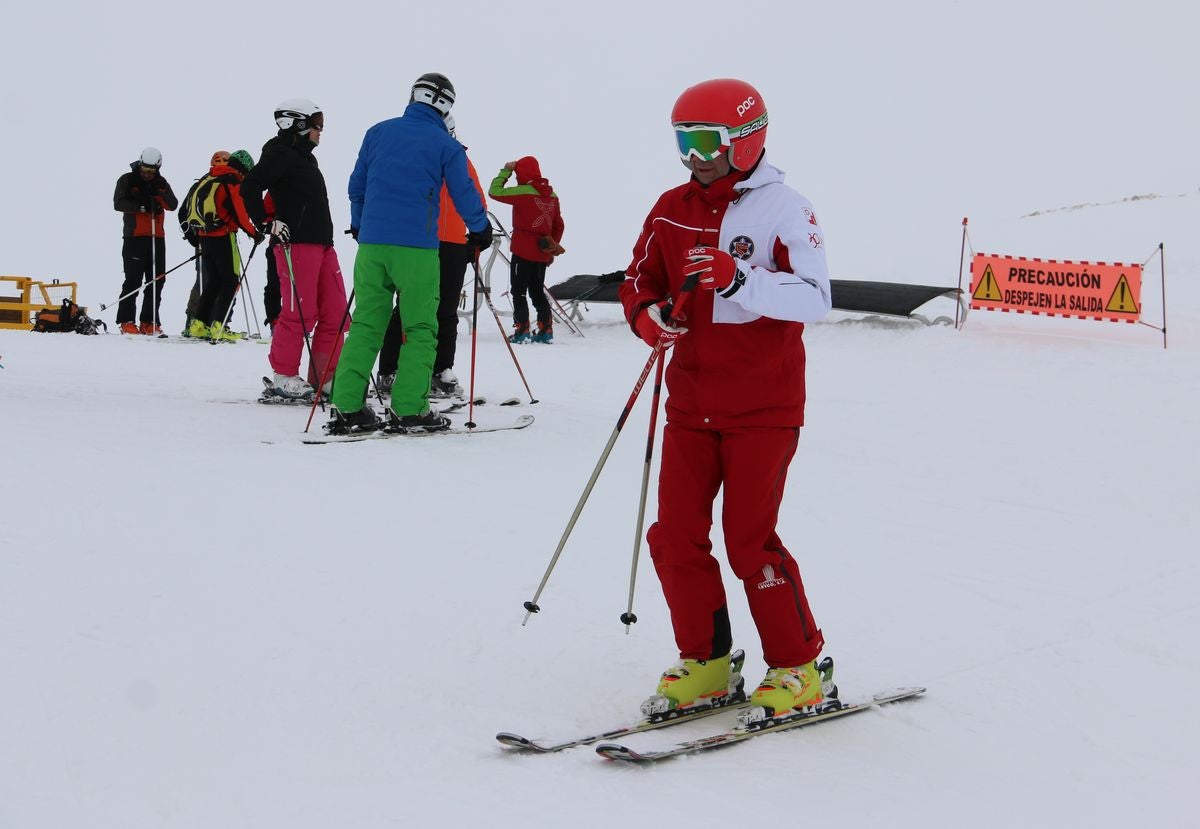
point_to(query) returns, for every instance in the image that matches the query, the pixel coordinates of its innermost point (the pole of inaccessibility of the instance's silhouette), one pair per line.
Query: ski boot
(149, 329)
(198, 330)
(351, 423)
(695, 683)
(292, 386)
(427, 421)
(545, 333)
(385, 382)
(444, 384)
(803, 689)
(130, 328)
(220, 334)
(520, 333)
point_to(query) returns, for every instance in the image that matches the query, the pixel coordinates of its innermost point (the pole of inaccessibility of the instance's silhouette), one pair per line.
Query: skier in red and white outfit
(735, 400)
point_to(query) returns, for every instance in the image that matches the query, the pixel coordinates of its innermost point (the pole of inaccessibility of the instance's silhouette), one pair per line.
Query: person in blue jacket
(394, 194)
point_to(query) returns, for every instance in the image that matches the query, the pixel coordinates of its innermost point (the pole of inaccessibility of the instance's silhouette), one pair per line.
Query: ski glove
(714, 269)
(652, 327)
(550, 246)
(279, 230)
(480, 239)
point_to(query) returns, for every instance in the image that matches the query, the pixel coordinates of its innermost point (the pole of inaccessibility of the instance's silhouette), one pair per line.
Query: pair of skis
(273, 397)
(736, 699)
(395, 432)
(443, 406)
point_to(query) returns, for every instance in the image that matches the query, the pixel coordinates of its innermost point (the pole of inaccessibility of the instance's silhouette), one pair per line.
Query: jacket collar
(762, 174)
(424, 112)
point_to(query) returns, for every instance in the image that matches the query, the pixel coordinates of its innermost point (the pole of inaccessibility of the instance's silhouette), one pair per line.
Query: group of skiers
(425, 222)
(727, 269)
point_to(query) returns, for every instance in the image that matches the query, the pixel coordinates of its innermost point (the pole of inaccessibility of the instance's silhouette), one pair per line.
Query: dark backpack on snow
(66, 317)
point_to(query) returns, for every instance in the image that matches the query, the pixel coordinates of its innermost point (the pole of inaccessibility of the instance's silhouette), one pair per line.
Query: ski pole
(242, 282)
(153, 251)
(197, 292)
(488, 298)
(287, 254)
(629, 618)
(333, 358)
(531, 606)
(332, 361)
(236, 253)
(249, 298)
(142, 287)
(475, 332)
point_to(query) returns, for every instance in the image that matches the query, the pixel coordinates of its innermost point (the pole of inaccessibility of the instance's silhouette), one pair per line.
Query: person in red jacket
(537, 232)
(143, 195)
(218, 248)
(751, 247)
(189, 235)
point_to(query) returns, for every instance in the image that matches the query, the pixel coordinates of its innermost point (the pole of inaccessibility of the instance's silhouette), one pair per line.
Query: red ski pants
(751, 464)
(320, 298)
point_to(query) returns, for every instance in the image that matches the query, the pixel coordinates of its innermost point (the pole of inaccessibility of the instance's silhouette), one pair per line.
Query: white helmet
(435, 89)
(449, 119)
(151, 157)
(296, 114)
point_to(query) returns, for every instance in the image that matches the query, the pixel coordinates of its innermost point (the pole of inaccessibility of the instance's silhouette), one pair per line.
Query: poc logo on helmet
(745, 105)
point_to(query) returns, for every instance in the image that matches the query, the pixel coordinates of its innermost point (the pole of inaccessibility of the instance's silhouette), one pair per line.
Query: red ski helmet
(735, 108)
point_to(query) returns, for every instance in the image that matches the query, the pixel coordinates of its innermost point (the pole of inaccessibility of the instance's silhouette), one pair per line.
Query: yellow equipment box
(17, 310)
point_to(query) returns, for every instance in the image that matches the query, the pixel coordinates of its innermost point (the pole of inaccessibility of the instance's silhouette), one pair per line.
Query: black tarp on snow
(890, 298)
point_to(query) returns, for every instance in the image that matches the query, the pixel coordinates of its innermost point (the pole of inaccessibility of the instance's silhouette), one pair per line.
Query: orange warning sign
(1088, 290)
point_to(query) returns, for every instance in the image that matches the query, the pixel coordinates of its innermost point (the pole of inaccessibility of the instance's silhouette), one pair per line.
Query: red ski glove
(714, 268)
(651, 326)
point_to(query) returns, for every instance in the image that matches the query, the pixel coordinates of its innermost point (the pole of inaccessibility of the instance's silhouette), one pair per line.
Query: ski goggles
(317, 121)
(704, 141)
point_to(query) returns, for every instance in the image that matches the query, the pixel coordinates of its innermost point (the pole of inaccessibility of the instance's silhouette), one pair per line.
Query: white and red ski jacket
(741, 363)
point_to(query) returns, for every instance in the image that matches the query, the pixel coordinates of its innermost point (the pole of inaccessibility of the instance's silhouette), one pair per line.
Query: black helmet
(435, 89)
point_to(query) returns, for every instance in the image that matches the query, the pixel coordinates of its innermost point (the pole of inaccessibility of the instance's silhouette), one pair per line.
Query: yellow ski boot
(786, 691)
(696, 683)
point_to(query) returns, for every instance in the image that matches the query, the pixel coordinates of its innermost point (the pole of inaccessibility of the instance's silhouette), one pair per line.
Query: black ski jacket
(143, 202)
(289, 170)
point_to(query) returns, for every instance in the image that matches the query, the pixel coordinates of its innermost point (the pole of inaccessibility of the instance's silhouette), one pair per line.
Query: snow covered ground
(204, 623)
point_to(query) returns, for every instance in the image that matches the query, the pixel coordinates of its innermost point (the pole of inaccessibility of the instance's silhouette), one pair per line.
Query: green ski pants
(383, 273)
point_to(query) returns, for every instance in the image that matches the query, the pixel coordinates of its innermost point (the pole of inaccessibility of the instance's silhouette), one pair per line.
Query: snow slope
(205, 623)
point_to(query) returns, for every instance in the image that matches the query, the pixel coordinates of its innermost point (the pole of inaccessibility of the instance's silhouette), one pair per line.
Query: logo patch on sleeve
(742, 247)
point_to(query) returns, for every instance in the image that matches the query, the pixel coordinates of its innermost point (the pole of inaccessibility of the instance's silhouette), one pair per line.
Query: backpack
(67, 317)
(198, 211)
